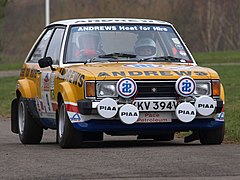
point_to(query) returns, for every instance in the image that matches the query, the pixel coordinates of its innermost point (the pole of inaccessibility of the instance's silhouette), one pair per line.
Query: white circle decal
(128, 114)
(185, 86)
(142, 65)
(107, 108)
(126, 87)
(185, 112)
(205, 105)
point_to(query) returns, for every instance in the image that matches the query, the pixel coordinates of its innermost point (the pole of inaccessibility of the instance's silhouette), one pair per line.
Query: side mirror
(46, 62)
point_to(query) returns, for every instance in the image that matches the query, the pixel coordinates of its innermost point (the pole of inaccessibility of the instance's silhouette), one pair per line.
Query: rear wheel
(29, 131)
(67, 135)
(212, 136)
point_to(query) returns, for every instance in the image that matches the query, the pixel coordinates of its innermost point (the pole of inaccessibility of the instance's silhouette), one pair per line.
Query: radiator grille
(156, 89)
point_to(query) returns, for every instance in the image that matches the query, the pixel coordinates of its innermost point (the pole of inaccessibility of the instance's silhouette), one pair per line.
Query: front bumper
(87, 119)
(117, 127)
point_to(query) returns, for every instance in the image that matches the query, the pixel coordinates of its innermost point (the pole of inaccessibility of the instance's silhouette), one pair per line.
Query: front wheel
(212, 136)
(67, 136)
(29, 131)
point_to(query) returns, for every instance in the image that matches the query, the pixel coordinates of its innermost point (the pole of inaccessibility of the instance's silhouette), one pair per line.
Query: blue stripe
(119, 127)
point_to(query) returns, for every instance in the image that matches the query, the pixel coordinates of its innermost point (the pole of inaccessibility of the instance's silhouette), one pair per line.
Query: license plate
(154, 117)
(155, 105)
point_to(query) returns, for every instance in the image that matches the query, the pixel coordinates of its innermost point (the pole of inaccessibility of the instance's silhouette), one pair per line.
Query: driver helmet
(89, 40)
(145, 47)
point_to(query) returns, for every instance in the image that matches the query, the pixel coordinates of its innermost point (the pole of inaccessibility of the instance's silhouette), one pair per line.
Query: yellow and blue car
(87, 77)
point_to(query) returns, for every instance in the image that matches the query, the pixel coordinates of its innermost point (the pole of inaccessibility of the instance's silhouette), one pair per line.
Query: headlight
(106, 89)
(202, 88)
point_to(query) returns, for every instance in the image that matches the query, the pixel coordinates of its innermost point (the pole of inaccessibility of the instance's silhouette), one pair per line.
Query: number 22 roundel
(126, 87)
(185, 86)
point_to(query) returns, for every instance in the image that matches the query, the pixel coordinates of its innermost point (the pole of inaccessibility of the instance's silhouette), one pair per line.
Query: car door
(48, 76)
(49, 45)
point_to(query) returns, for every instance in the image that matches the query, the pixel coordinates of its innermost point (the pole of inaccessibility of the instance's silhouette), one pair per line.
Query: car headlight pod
(106, 89)
(203, 88)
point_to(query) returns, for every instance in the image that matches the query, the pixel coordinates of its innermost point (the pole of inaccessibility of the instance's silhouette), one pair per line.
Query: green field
(12, 66)
(230, 78)
(229, 74)
(217, 57)
(227, 64)
(7, 89)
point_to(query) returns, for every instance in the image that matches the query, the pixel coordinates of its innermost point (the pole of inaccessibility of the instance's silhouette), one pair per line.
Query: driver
(145, 47)
(88, 44)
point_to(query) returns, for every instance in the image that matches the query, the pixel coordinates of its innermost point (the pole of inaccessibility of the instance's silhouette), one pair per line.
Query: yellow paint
(69, 81)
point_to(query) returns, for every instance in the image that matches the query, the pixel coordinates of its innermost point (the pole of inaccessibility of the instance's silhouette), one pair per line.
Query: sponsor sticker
(185, 112)
(154, 117)
(126, 87)
(107, 108)
(176, 41)
(183, 53)
(142, 65)
(46, 102)
(220, 117)
(178, 68)
(52, 85)
(205, 105)
(178, 46)
(185, 86)
(38, 104)
(74, 117)
(128, 114)
(46, 81)
(122, 28)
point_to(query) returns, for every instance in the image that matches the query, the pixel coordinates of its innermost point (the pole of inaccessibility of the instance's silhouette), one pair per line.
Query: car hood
(111, 71)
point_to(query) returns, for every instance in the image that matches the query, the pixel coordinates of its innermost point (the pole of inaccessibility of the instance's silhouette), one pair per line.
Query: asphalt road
(115, 158)
(9, 73)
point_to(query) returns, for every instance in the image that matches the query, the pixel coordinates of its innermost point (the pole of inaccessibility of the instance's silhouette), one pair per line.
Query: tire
(212, 136)
(29, 131)
(67, 135)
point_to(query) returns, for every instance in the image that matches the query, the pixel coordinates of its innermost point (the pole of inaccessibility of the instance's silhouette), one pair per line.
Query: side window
(55, 45)
(41, 47)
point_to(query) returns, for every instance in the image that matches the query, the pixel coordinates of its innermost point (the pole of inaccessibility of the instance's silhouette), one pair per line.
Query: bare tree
(210, 16)
(205, 25)
(232, 25)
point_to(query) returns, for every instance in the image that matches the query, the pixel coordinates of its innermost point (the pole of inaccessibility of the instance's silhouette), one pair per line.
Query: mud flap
(14, 116)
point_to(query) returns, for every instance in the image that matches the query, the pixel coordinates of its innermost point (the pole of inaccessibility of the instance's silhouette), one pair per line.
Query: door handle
(39, 71)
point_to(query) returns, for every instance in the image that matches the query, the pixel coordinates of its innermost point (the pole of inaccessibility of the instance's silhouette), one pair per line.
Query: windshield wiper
(110, 57)
(117, 55)
(164, 59)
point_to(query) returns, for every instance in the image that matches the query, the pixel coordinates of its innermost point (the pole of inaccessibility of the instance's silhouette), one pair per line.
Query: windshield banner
(123, 28)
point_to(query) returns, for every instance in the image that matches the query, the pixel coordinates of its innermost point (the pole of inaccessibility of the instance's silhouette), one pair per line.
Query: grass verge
(217, 57)
(7, 89)
(13, 66)
(229, 77)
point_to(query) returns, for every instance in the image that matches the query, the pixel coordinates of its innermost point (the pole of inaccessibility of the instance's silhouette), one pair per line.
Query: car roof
(108, 21)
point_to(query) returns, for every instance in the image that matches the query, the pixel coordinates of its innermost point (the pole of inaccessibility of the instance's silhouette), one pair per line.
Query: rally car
(87, 77)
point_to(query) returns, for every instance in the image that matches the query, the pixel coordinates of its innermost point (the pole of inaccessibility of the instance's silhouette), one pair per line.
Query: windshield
(137, 41)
